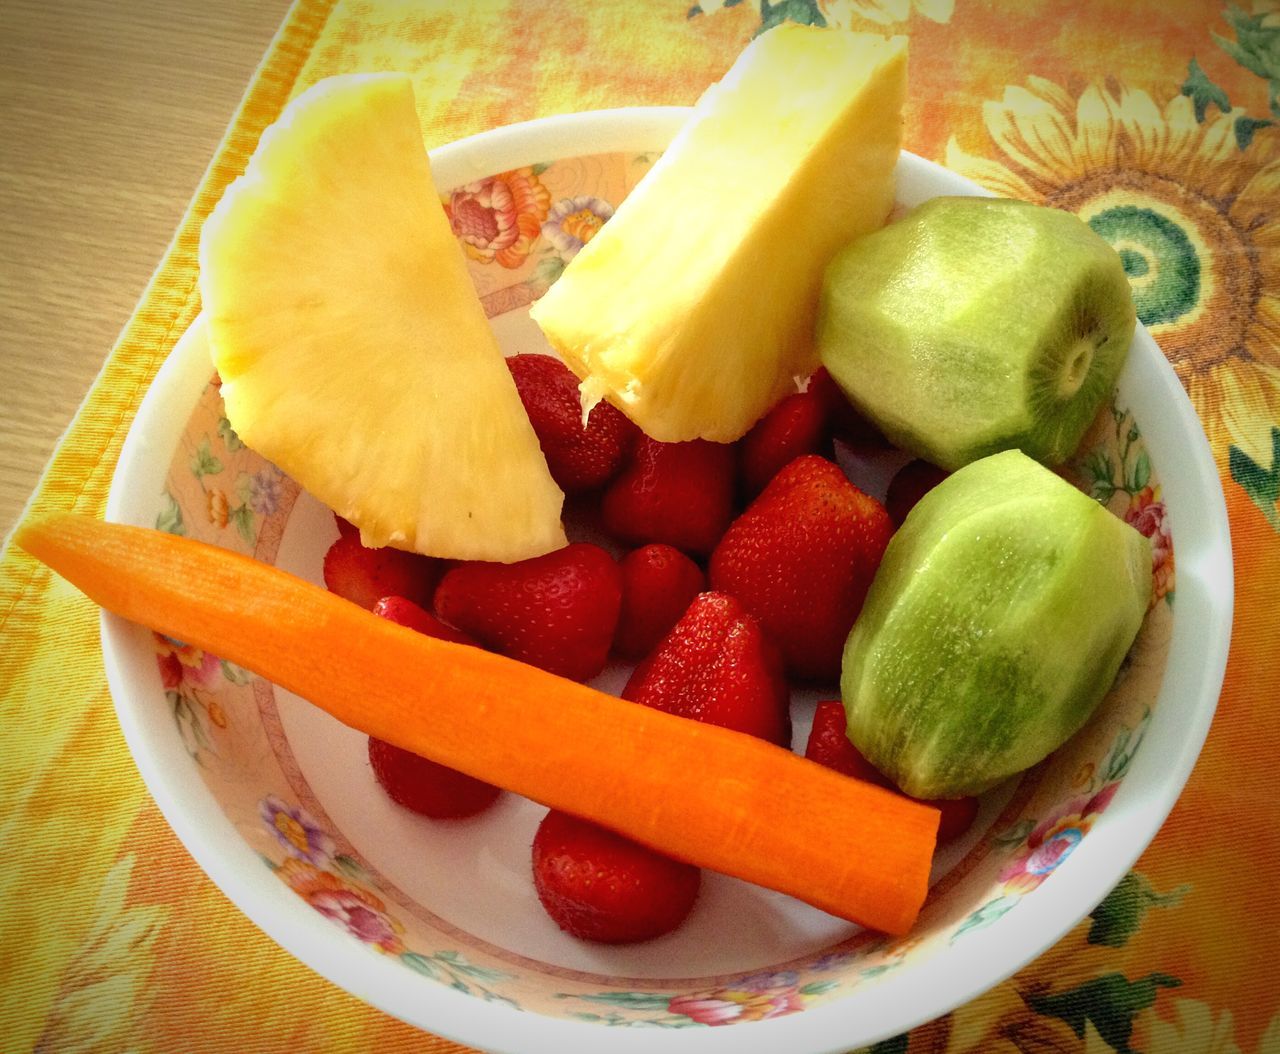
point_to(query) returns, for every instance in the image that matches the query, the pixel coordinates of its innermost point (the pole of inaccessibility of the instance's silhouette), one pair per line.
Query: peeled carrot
(708, 795)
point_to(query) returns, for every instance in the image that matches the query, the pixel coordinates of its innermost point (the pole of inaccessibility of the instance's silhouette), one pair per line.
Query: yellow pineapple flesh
(692, 310)
(352, 347)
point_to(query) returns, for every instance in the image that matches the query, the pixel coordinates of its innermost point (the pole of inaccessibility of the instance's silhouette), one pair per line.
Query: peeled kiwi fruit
(974, 325)
(996, 623)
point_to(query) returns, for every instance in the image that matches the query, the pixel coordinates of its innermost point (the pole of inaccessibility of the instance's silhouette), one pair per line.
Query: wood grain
(109, 113)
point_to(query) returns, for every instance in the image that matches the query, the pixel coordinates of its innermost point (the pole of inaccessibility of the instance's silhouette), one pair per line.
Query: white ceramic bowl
(437, 923)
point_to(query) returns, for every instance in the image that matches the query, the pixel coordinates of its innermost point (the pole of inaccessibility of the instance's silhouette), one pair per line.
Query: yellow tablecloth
(1164, 112)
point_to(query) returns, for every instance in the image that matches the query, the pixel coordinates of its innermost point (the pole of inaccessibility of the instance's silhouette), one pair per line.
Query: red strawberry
(913, 481)
(599, 886)
(556, 611)
(829, 745)
(658, 582)
(345, 527)
(717, 666)
(365, 576)
(845, 422)
(406, 613)
(801, 559)
(426, 787)
(412, 781)
(579, 458)
(680, 494)
(795, 426)
(958, 815)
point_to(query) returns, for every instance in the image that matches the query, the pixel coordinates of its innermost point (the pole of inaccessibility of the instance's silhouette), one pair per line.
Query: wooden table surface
(109, 113)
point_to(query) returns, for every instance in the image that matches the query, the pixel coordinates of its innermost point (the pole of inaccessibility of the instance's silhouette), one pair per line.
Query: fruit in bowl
(455, 901)
(998, 621)
(705, 340)
(975, 325)
(343, 325)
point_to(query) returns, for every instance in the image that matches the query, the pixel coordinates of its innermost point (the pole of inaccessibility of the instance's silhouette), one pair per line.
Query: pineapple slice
(352, 346)
(693, 309)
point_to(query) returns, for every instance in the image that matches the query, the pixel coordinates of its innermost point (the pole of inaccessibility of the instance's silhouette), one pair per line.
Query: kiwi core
(1076, 368)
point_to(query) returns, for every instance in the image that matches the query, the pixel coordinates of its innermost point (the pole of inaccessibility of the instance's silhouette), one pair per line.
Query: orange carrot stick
(716, 798)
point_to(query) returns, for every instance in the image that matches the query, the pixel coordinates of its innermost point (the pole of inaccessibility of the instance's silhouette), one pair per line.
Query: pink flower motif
(754, 998)
(1146, 514)
(499, 218)
(357, 909)
(1102, 799)
(185, 664)
(1053, 840)
(360, 918)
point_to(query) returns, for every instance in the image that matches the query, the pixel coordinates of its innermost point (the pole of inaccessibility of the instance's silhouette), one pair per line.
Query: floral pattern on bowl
(519, 229)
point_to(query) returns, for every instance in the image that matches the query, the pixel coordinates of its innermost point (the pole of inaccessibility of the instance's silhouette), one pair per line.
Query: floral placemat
(1157, 121)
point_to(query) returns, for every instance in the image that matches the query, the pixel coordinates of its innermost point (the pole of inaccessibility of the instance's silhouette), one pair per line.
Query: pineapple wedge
(352, 346)
(693, 309)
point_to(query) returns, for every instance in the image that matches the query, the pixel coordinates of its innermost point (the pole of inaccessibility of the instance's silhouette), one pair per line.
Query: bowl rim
(1188, 696)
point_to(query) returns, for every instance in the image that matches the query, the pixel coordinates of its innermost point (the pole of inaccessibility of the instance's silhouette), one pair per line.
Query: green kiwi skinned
(973, 325)
(995, 624)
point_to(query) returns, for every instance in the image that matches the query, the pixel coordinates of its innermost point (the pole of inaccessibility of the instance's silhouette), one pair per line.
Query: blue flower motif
(573, 222)
(766, 981)
(295, 829)
(264, 492)
(834, 960)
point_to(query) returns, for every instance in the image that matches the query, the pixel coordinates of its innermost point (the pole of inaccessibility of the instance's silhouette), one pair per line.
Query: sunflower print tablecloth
(1158, 121)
